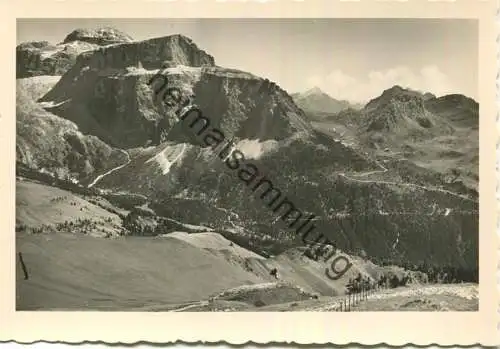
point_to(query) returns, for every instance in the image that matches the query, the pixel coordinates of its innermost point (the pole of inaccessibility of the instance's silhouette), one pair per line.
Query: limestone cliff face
(50, 144)
(43, 58)
(106, 94)
(248, 107)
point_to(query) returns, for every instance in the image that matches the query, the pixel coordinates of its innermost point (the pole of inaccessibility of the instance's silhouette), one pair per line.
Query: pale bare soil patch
(461, 297)
(452, 297)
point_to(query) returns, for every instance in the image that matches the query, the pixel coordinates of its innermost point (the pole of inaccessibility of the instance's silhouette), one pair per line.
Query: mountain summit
(316, 100)
(101, 36)
(314, 91)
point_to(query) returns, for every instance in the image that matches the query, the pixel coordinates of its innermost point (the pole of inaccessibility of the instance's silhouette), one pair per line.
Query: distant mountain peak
(397, 90)
(314, 91)
(316, 100)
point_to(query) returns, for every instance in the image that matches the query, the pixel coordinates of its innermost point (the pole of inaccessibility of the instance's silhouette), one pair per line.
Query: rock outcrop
(54, 145)
(44, 58)
(101, 36)
(402, 111)
(459, 110)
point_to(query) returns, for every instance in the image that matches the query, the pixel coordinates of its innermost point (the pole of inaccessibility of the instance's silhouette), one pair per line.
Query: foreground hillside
(69, 264)
(74, 271)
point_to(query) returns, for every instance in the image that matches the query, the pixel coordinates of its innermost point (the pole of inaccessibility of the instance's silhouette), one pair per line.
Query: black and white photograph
(247, 164)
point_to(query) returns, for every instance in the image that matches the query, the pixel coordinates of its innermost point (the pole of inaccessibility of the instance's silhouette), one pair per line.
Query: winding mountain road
(384, 169)
(409, 185)
(194, 305)
(98, 178)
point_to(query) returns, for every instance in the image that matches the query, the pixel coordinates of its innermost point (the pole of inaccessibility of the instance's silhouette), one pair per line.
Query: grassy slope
(78, 271)
(72, 271)
(38, 204)
(75, 271)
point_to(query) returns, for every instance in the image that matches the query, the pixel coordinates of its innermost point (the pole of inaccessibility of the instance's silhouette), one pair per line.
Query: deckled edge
(255, 344)
(497, 167)
(351, 344)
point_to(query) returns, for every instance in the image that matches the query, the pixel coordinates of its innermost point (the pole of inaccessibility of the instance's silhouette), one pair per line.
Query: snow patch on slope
(36, 86)
(52, 104)
(76, 46)
(195, 72)
(254, 148)
(168, 156)
(190, 75)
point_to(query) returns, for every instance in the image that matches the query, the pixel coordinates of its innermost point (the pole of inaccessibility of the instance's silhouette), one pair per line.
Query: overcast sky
(353, 59)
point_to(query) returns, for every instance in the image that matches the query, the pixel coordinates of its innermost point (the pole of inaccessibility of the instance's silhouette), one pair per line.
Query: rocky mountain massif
(406, 128)
(43, 58)
(96, 132)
